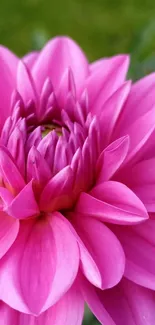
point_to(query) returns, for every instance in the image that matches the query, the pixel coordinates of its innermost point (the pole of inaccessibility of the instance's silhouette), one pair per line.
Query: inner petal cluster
(53, 144)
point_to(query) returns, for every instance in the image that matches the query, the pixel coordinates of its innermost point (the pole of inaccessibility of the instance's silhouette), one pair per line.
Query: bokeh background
(101, 27)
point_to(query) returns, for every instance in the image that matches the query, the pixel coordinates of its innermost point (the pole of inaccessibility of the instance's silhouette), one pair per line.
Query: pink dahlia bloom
(76, 179)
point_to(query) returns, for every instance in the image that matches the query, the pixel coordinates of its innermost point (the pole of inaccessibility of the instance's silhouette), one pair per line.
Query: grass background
(101, 27)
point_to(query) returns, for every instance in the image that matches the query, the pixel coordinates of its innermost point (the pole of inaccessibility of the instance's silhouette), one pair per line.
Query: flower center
(47, 128)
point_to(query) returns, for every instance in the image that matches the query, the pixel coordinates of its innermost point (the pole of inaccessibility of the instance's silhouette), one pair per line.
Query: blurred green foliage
(101, 27)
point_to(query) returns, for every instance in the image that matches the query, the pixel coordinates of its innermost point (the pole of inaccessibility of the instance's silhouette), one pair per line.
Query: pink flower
(76, 176)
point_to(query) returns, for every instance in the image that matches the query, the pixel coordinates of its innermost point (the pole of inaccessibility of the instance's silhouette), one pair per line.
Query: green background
(102, 28)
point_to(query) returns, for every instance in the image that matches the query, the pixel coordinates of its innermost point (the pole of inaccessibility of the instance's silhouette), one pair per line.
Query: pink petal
(95, 304)
(8, 232)
(8, 316)
(146, 193)
(25, 83)
(97, 64)
(57, 193)
(40, 266)
(141, 179)
(67, 85)
(16, 148)
(30, 59)
(111, 159)
(10, 173)
(88, 265)
(6, 131)
(10, 59)
(104, 248)
(145, 126)
(34, 138)
(139, 246)
(110, 111)
(112, 202)
(140, 101)
(68, 311)
(104, 81)
(129, 304)
(47, 147)
(67, 258)
(59, 54)
(24, 204)
(8, 67)
(37, 167)
(142, 173)
(46, 93)
(10, 266)
(6, 197)
(60, 156)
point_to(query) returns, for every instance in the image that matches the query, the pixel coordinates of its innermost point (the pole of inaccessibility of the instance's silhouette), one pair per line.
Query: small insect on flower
(77, 203)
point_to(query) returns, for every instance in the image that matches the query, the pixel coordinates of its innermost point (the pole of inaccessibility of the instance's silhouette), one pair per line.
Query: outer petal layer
(104, 248)
(139, 102)
(9, 228)
(127, 303)
(95, 304)
(58, 55)
(41, 265)
(104, 81)
(112, 202)
(111, 159)
(69, 310)
(139, 246)
(8, 68)
(141, 178)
